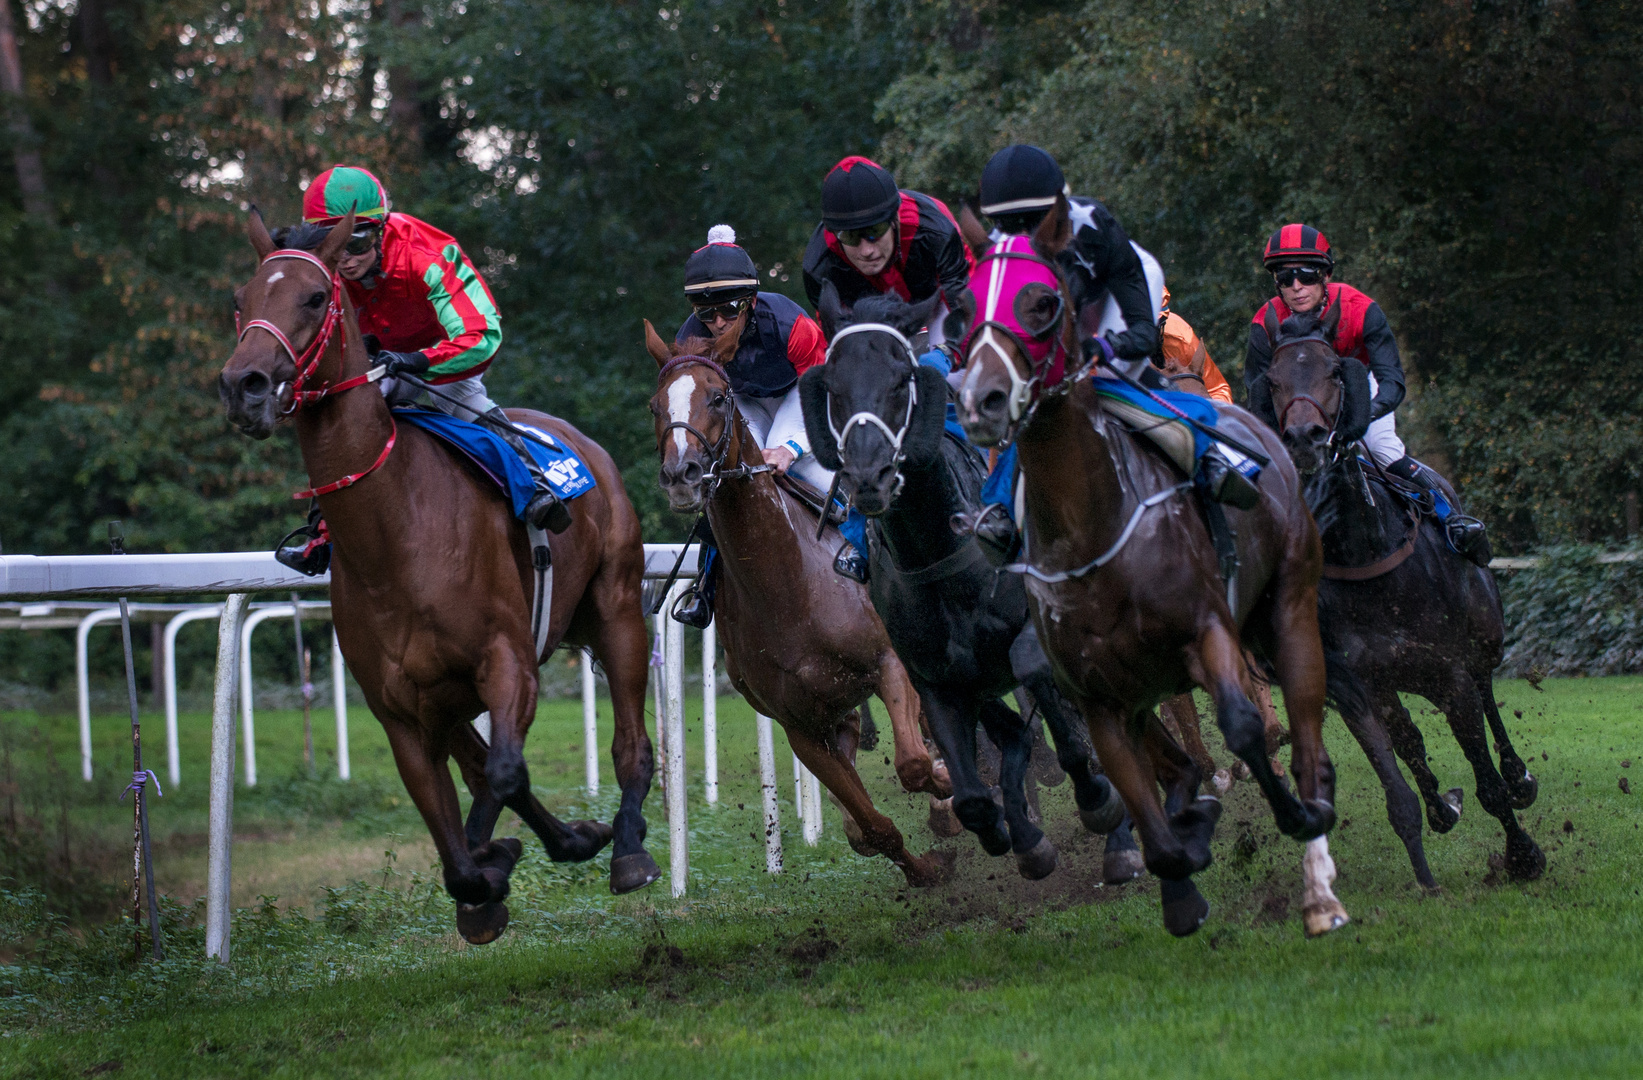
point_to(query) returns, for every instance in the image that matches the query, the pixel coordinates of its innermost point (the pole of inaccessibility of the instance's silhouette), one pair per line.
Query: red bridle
(308, 360)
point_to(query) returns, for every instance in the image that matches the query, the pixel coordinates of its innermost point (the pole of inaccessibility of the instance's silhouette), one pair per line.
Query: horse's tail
(1342, 687)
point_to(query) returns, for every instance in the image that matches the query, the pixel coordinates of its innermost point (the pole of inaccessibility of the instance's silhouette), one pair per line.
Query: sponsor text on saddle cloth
(1009, 280)
(565, 471)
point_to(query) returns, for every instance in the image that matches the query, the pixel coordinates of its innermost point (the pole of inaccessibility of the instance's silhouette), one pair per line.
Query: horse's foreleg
(1464, 710)
(835, 772)
(1035, 856)
(914, 766)
(478, 890)
(1179, 715)
(1520, 785)
(953, 723)
(1099, 806)
(575, 841)
(623, 650)
(1298, 656)
(469, 750)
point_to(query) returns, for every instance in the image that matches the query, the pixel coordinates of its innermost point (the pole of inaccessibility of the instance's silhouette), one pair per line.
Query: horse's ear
(655, 346)
(725, 345)
(829, 310)
(330, 249)
(957, 322)
(1331, 318)
(813, 398)
(1055, 232)
(260, 240)
(1269, 322)
(973, 231)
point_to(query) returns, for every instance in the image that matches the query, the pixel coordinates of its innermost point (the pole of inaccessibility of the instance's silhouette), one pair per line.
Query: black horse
(875, 416)
(1397, 607)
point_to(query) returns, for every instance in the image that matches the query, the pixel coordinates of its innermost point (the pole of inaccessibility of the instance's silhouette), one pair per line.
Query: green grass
(836, 969)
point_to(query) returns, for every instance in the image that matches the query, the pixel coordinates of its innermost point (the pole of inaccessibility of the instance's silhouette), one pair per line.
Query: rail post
(218, 914)
(673, 650)
(590, 724)
(710, 713)
(771, 797)
(339, 701)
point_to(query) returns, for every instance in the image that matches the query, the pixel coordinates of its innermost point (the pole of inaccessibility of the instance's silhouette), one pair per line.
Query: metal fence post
(218, 913)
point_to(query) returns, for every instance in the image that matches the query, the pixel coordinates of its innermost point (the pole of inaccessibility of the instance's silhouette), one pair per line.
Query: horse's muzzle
(682, 484)
(985, 417)
(250, 401)
(1308, 446)
(871, 490)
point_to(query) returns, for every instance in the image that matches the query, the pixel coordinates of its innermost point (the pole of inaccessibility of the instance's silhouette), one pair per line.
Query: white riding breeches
(776, 421)
(1381, 440)
(470, 399)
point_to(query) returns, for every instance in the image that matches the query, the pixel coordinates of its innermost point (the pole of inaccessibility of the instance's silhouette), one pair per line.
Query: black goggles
(1289, 275)
(853, 237)
(728, 312)
(362, 240)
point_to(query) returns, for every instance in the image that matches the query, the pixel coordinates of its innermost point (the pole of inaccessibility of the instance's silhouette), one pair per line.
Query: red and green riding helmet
(342, 188)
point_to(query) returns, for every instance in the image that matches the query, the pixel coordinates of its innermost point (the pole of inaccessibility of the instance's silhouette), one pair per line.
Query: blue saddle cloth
(565, 471)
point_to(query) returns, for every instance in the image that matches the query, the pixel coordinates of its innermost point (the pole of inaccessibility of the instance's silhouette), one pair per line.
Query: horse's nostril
(254, 386)
(993, 403)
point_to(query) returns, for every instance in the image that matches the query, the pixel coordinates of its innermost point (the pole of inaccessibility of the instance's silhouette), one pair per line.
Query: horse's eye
(716, 400)
(317, 300)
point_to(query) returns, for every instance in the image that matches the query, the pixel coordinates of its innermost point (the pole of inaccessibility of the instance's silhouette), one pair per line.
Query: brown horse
(802, 643)
(1129, 600)
(432, 581)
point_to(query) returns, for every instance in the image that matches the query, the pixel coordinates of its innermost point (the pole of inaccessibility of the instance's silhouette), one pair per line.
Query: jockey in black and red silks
(1302, 264)
(779, 343)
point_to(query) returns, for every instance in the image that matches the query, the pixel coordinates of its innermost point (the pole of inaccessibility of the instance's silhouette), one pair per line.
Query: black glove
(1378, 409)
(1093, 345)
(406, 363)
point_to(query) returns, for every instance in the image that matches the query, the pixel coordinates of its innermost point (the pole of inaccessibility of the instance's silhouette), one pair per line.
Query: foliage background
(1475, 164)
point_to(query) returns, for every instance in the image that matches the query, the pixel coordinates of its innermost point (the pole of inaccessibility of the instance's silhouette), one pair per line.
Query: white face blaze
(995, 295)
(275, 276)
(679, 394)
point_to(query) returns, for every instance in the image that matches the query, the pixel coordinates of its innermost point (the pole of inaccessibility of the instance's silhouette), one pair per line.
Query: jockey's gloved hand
(407, 363)
(1096, 344)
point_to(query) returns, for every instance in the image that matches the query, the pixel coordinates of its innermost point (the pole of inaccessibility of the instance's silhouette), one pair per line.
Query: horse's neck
(1075, 492)
(1353, 521)
(343, 434)
(751, 519)
(915, 527)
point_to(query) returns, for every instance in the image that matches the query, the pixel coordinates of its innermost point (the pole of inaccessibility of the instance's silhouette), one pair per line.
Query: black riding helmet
(719, 272)
(857, 193)
(1018, 186)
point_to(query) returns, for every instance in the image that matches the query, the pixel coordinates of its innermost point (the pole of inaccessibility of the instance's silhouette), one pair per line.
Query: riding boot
(1465, 534)
(850, 563)
(695, 607)
(307, 549)
(545, 509)
(1222, 481)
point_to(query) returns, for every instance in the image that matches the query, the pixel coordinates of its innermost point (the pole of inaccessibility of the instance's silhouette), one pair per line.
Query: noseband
(871, 419)
(716, 472)
(1330, 422)
(1021, 390)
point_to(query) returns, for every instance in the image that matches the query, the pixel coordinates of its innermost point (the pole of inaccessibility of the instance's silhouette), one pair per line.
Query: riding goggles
(1289, 275)
(853, 237)
(728, 312)
(362, 240)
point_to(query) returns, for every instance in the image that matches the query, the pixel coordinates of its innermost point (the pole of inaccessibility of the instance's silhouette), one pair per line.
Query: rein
(866, 418)
(308, 361)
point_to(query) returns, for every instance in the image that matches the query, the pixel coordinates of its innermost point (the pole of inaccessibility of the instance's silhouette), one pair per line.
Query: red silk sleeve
(805, 347)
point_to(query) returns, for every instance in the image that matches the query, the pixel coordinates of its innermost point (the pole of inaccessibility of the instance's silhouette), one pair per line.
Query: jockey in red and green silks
(416, 291)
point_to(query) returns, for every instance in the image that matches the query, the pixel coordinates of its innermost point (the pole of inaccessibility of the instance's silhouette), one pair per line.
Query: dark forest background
(1475, 164)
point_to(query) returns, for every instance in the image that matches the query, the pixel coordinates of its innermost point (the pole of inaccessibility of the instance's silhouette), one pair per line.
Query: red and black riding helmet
(1297, 244)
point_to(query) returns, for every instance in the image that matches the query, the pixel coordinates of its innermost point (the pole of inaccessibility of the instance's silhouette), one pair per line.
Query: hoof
(932, 868)
(1525, 863)
(994, 842)
(1222, 780)
(1038, 863)
(630, 872)
(1443, 816)
(1106, 817)
(1121, 867)
(1521, 793)
(591, 838)
(481, 924)
(943, 822)
(1185, 908)
(1322, 918)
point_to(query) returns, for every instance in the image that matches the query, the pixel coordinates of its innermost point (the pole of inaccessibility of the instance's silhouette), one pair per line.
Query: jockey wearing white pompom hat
(779, 343)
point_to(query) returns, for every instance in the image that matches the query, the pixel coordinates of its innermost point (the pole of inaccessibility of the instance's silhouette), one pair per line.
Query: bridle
(716, 472)
(864, 418)
(1021, 389)
(308, 361)
(1308, 399)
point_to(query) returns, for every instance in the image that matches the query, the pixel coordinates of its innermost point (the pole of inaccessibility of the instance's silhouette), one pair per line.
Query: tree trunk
(25, 145)
(405, 95)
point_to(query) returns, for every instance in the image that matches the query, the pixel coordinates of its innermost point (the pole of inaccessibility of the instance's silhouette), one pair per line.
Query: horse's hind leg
(1099, 807)
(623, 649)
(575, 841)
(835, 772)
(914, 767)
(954, 727)
(1520, 785)
(1179, 715)
(1035, 855)
(1442, 807)
(477, 889)
(1464, 709)
(1298, 657)
(1402, 808)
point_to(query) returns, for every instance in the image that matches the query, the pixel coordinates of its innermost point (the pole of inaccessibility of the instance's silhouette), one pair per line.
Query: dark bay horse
(802, 643)
(1400, 610)
(432, 581)
(875, 416)
(1127, 589)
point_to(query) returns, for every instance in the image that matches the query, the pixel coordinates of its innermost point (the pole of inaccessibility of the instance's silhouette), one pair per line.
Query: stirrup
(547, 511)
(1468, 538)
(692, 609)
(306, 549)
(850, 563)
(996, 535)
(1224, 483)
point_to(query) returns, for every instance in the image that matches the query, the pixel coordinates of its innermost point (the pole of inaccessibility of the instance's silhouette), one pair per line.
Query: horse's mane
(1300, 325)
(881, 308)
(693, 346)
(302, 237)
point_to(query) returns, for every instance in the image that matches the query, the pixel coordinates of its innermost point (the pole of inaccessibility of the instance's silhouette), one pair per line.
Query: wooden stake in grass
(142, 863)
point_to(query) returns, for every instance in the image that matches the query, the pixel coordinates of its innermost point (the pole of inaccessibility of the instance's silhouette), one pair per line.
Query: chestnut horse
(1127, 589)
(432, 582)
(802, 643)
(1402, 611)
